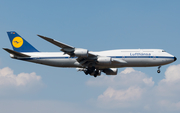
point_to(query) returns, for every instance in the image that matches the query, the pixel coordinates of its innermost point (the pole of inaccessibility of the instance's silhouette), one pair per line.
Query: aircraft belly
(57, 62)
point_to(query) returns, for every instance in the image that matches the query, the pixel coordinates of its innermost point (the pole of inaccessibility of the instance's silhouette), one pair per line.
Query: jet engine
(110, 71)
(104, 60)
(81, 52)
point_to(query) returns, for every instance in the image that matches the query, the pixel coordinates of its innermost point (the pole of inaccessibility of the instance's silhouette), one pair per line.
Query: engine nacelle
(81, 52)
(104, 60)
(111, 71)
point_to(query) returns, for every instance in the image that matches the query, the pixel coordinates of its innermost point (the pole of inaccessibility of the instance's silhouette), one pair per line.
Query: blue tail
(19, 44)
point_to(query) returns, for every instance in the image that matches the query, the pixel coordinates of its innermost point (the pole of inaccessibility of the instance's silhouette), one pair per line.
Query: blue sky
(94, 25)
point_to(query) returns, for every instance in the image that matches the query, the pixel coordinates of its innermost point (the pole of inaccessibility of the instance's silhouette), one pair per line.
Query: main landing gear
(89, 70)
(97, 73)
(92, 71)
(158, 71)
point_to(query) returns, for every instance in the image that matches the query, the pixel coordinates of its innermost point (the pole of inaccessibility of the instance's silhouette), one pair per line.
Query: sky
(95, 25)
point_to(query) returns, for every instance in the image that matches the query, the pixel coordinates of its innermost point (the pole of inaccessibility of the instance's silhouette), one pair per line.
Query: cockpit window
(163, 51)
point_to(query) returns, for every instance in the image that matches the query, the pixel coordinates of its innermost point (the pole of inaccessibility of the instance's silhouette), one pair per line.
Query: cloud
(128, 77)
(119, 98)
(132, 90)
(123, 90)
(132, 93)
(25, 81)
(172, 74)
(169, 88)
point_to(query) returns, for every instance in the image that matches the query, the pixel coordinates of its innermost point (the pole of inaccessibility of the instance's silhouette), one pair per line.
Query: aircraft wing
(57, 43)
(84, 57)
(72, 51)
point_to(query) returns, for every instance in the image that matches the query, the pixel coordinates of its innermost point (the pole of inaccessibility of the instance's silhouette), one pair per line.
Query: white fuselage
(131, 57)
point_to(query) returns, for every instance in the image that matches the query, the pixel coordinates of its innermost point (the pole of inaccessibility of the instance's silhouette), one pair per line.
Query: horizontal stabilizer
(15, 53)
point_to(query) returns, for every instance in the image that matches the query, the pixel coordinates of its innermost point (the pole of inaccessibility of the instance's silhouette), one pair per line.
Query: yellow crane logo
(17, 42)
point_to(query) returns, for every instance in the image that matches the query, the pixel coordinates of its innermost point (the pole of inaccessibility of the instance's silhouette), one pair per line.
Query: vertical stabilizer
(19, 44)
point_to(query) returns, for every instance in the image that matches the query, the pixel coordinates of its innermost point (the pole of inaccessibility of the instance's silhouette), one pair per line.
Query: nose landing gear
(158, 71)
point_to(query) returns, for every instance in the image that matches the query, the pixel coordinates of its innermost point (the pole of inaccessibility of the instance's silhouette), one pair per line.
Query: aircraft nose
(175, 58)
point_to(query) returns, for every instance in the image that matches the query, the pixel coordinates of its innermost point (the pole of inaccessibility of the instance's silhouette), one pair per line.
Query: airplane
(92, 63)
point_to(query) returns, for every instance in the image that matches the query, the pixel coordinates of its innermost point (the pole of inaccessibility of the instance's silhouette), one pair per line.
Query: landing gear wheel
(96, 73)
(158, 71)
(86, 72)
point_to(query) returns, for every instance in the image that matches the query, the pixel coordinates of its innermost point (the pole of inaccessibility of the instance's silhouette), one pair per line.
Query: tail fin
(19, 44)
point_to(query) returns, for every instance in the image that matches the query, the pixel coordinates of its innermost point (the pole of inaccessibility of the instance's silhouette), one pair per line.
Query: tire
(158, 71)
